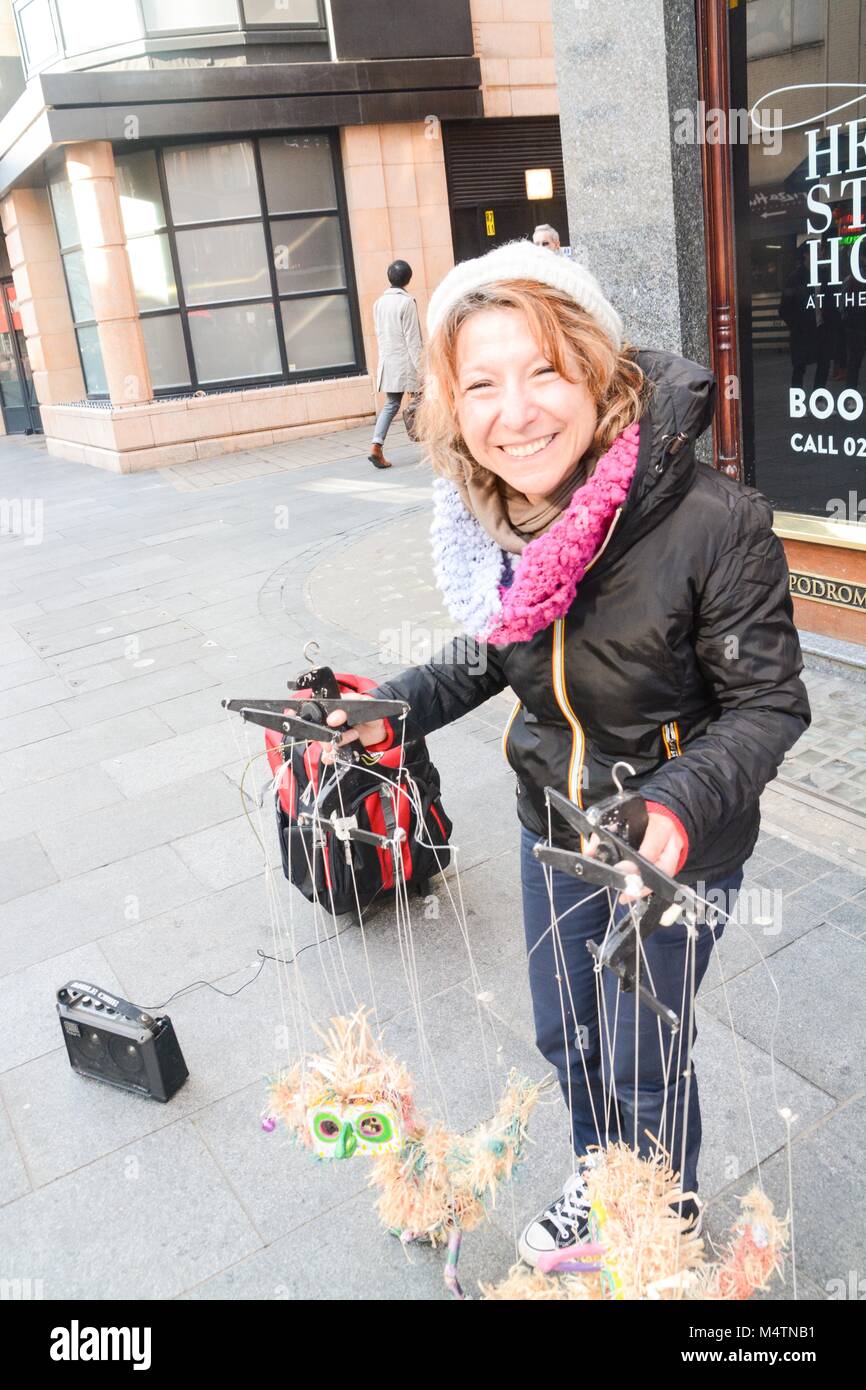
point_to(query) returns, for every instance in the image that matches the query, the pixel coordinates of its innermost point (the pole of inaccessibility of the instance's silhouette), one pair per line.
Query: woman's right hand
(374, 731)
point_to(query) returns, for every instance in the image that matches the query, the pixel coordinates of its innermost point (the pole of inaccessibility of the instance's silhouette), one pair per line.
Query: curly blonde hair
(567, 333)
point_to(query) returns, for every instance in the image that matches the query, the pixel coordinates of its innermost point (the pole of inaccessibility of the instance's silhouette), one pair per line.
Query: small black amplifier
(111, 1040)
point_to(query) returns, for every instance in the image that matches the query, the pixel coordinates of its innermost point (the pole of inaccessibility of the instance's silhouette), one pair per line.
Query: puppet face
(339, 1131)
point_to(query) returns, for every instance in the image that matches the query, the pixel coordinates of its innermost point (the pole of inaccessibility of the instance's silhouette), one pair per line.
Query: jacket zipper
(507, 730)
(578, 738)
(560, 692)
(672, 445)
(671, 739)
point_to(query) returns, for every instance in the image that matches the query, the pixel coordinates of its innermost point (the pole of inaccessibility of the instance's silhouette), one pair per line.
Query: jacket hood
(682, 402)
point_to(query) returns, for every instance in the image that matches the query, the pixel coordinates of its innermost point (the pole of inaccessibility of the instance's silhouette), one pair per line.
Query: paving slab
(32, 1027)
(57, 799)
(174, 759)
(827, 1170)
(822, 1043)
(24, 867)
(89, 906)
(81, 748)
(346, 1255)
(14, 1182)
(127, 827)
(181, 1224)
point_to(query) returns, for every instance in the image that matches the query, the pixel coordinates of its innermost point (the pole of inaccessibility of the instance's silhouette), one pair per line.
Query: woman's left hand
(662, 845)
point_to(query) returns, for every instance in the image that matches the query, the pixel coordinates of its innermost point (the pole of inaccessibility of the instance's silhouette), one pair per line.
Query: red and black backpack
(386, 788)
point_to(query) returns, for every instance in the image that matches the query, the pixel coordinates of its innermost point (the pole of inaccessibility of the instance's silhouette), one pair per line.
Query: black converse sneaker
(564, 1223)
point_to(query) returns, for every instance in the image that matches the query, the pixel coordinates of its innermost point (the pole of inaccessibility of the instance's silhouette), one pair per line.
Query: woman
(637, 603)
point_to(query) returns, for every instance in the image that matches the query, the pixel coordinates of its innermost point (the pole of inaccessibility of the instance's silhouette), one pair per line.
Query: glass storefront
(799, 66)
(78, 287)
(238, 256)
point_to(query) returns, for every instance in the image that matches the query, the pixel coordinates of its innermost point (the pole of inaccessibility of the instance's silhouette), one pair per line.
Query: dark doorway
(17, 397)
(486, 163)
(479, 229)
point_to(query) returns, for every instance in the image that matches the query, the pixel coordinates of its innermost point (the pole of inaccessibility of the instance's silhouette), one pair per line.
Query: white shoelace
(573, 1204)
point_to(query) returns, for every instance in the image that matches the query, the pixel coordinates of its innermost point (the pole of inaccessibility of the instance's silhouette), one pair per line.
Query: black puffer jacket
(679, 653)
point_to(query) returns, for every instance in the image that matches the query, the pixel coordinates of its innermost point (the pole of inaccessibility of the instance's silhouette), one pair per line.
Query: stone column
(397, 199)
(634, 196)
(37, 271)
(90, 169)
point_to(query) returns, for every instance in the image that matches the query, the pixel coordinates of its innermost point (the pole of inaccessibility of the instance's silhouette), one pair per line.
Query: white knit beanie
(523, 260)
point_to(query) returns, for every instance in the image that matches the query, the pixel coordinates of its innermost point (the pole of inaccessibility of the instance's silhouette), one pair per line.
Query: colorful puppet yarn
(647, 1251)
(356, 1098)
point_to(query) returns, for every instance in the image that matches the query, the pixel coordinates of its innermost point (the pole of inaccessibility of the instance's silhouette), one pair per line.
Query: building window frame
(145, 37)
(296, 26)
(274, 296)
(74, 248)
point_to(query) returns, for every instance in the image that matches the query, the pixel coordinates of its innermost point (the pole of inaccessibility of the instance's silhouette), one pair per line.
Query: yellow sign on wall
(489, 222)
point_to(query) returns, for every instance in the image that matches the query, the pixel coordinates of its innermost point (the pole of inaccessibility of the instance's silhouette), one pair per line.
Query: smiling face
(518, 416)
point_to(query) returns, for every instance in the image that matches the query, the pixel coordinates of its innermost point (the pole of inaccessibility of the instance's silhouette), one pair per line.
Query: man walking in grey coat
(398, 334)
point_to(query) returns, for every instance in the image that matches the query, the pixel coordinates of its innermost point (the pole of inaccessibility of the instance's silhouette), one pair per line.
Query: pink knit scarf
(550, 568)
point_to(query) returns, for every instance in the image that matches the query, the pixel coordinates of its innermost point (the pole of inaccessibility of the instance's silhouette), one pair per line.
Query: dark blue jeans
(600, 1022)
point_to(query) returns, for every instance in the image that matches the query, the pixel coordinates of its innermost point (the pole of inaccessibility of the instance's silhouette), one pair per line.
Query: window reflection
(208, 183)
(804, 223)
(223, 263)
(240, 341)
(308, 254)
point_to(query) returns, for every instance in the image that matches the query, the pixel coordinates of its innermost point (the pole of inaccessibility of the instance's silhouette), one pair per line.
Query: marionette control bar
(306, 720)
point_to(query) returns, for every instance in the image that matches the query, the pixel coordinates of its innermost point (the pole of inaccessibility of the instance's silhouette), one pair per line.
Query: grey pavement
(128, 858)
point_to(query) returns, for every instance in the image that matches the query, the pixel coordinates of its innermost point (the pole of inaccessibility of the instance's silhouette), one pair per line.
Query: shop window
(91, 360)
(139, 193)
(274, 13)
(166, 351)
(187, 16)
(801, 242)
(235, 342)
(299, 173)
(777, 26)
(239, 260)
(209, 183)
(78, 286)
(308, 254)
(152, 273)
(318, 332)
(92, 24)
(223, 263)
(39, 38)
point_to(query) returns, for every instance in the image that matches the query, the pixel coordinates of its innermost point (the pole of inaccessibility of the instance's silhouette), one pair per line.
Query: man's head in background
(399, 274)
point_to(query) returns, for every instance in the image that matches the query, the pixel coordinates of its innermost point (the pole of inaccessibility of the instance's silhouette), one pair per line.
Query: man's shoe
(561, 1225)
(377, 458)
